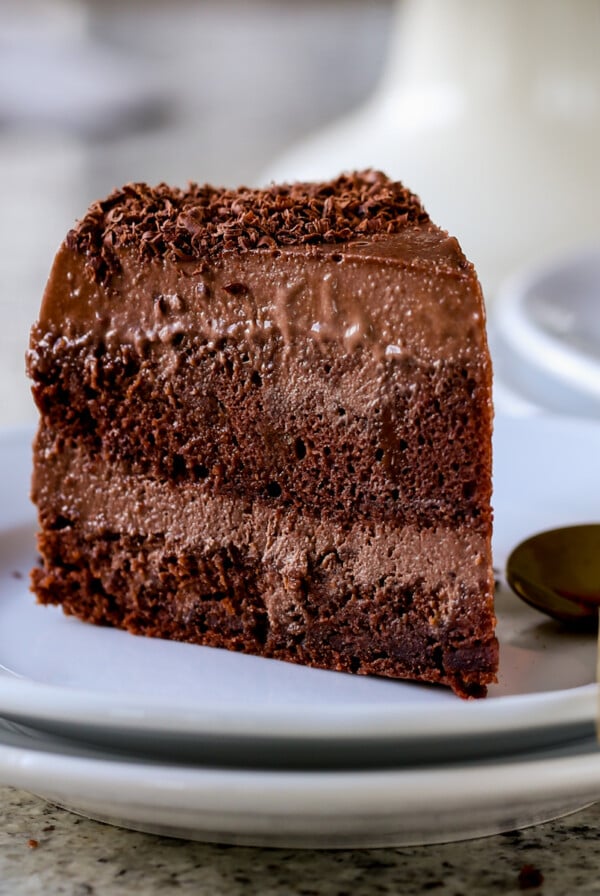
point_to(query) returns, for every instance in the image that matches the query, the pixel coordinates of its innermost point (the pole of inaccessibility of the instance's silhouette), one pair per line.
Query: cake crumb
(17, 574)
(530, 877)
(33, 844)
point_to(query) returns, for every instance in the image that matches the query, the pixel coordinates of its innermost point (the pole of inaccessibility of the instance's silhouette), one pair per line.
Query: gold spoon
(558, 572)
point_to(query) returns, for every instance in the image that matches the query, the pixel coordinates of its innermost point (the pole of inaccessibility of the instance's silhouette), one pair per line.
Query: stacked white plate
(201, 743)
(545, 337)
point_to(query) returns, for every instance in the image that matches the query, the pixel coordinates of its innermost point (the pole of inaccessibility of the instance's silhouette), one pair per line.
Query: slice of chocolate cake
(266, 426)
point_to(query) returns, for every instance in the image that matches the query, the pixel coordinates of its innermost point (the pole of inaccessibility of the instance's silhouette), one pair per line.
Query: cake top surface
(203, 222)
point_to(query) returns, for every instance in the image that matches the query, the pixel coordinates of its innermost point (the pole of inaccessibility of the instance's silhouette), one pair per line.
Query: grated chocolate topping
(202, 222)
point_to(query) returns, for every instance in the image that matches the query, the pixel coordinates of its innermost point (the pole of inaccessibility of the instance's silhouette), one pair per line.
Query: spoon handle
(598, 689)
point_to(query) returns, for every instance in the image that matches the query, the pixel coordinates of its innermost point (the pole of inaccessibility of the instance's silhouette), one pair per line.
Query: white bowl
(545, 336)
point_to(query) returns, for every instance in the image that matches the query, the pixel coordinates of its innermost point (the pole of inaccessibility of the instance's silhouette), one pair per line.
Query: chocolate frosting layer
(203, 222)
(351, 262)
(411, 295)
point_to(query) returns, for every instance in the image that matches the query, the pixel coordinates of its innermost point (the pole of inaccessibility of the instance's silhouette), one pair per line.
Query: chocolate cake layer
(206, 422)
(277, 403)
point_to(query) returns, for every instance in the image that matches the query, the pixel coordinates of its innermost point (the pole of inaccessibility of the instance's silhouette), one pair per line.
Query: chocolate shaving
(202, 222)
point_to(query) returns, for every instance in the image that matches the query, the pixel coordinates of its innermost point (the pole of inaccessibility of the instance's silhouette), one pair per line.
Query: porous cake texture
(266, 426)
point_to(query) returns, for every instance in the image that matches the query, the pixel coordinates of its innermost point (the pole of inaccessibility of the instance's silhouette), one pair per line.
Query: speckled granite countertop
(47, 850)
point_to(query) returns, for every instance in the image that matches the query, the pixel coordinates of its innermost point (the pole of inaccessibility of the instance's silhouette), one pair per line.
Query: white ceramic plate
(111, 688)
(303, 808)
(545, 335)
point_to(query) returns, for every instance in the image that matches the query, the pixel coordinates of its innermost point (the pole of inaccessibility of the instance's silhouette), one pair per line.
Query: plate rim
(576, 774)
(87, 709)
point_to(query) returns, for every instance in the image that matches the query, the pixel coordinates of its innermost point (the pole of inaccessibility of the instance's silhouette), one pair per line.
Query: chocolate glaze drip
(203, 222)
